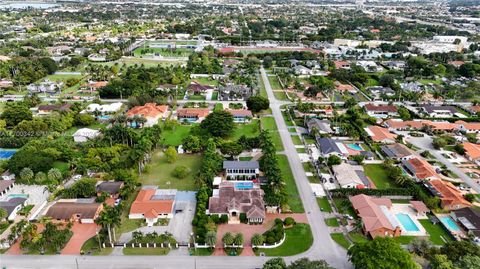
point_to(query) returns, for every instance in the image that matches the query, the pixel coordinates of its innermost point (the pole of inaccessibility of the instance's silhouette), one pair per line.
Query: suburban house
(192, 114)
(341, 64)
(398, 151)
(450, 196)
(48, 109)
(166, 87)
(152, 204)
(241, 115)
(241, 170)
(5, 186)
(420, 169)
(472, 151)
(342, 88)
(379, 91)
(468, 127)
(469, 219)
(315, 126)
(234, 92)
(380, 134)
(330, 147)
(76, 210)
(420, 208)
(302, 70)
(7, 175)
(381, 111)
(12, 206)
(377, 219)
(103, 109)
(438, 111)
(5, 84)
(369, 66)
(45, 87)
(350, 176)
(197, 88)
(111, 187)
(95, 85)
(401, 125)
(150, 111)
(84, 134)
(234, 198)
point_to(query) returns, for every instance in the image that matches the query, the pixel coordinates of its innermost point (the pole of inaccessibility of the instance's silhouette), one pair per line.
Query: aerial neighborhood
(345, 134)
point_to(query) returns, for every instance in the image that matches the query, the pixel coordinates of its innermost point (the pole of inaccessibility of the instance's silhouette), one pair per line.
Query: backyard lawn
(294, 200)
(340, 239)
(436, 231)
(268, 123)
(251, 129)
(324, 205)
(379, 175)
(159, 172)
(298, 239)
(175, 136)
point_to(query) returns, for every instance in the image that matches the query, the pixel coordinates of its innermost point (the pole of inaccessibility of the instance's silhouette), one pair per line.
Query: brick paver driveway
(81, 233)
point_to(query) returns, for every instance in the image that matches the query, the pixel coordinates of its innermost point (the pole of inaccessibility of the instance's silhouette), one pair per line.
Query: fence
(272, 246)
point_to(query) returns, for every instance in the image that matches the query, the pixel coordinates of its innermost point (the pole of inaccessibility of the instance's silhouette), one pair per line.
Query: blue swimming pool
(7, 153)
(244, 185)
(449, 223)
(104, 117)
(407, 222)
(354, 147)
(12, 196)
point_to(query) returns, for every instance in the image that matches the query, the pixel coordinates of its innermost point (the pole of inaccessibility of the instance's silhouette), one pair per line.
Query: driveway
(81, 233)
(425, 143)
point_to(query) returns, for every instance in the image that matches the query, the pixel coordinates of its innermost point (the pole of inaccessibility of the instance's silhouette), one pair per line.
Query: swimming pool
(407, 222)
(244, 185)
(104, 117)
(449, 223)
(12, 196)
(354, 147)
(7, 153)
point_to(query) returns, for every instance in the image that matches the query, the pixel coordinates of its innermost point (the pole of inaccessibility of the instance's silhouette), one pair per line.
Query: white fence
(272, 246)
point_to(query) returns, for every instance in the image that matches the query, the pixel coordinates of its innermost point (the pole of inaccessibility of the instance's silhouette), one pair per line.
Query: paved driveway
(81, 233)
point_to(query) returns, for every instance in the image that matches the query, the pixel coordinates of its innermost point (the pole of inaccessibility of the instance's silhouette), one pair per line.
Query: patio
(406, 209)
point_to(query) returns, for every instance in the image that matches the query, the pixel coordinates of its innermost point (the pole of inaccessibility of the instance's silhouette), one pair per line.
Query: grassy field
(332, 222)
(436, 231)
(357, 237)
(268, 123)
(206, 81)
(298, 239)
(296, 140)
(404, 240)
(294, 200)
(263, 91)
(340, 239)
(175, 137)
(282, 96)
(324, 205)
(178, 52)
(251, 129)
(145, 251)
(160, 172)
(131, 61)
(379, 175)
(344, 206)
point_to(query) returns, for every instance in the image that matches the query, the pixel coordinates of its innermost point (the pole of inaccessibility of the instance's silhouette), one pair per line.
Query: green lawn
(298, 239)
(218, 107)
(436, 231)
(268, 123)
(202, 252)
(62, 166)
(175, 137)
(251, 129)
(344, 206)
(282, 96)
(159, 172)
(91, 247)
(324, 205)
(274, 82)
(263, 91)
(404, 240)
(357, 237)
(332, 222)
(309, 140)
(294, 200)
(379, 175)
(340, 239)
(296, 140)
(145, 251)
(301, 150)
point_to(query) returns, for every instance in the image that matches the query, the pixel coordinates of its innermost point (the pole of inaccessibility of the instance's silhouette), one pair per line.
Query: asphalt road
(323, 246)
(425, 143)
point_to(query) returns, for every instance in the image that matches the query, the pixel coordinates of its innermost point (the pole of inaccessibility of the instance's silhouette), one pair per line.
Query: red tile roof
(450, 196)
(423, 169)
(368, 209)
(387, 108)
(380, 134)
(193, 112)
(241, 112)
(144, 205)
(472, 150)
(149, 110)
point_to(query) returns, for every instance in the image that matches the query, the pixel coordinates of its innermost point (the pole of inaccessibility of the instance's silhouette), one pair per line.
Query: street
(425, 143)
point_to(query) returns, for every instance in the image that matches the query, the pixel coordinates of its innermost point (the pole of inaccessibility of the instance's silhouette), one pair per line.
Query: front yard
(298, 239)
(294, 200)
(268, 123)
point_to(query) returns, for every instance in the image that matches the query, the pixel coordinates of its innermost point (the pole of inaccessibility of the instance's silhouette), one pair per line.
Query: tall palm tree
(228, 239)
(211, 238)
(109, 218)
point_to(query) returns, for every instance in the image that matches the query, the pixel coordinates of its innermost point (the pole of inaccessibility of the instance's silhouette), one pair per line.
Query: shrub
(243, 218)
(181, 172)
(224, 219)
(215, 219)
(289, 221)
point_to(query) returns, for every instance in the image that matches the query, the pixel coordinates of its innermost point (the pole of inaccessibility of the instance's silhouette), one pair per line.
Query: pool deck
(457, 234)
(408, 210)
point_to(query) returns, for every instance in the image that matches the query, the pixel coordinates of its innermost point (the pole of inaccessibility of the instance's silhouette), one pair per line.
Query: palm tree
(211, 238)
(26, 174)
(228, 239)
(54, 175)
(109, 218)
(238, 240)
(257, 240)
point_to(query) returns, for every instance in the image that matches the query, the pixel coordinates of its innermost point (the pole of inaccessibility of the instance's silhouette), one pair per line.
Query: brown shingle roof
(65, 210)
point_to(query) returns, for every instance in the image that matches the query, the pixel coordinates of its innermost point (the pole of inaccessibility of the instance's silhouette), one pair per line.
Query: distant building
(398, 151)
(234, 92)
(84, 134)
(48, 109)
(192, 114)
(241, 115)
(315, 125)
(350, 176)
(381, 111)
(420, 169)
(380, 134)
(241, 170)
(450, 196)
(150, 111)
(469, 219)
